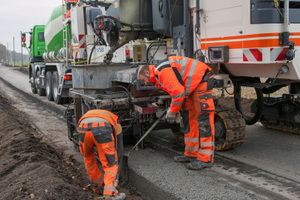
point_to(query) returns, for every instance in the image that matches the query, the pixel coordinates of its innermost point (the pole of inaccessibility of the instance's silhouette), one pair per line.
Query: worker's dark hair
(142, 70)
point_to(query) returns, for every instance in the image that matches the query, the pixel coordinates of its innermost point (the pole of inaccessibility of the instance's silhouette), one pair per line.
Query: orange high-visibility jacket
(179, 76)
(104, 114)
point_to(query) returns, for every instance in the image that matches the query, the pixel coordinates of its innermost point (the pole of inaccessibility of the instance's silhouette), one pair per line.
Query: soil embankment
(32, 169)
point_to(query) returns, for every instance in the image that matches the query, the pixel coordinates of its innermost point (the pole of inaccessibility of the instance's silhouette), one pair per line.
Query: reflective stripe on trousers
(101, 136)
(198, 116)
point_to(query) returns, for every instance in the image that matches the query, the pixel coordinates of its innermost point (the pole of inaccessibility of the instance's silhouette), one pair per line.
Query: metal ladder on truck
(66, 24)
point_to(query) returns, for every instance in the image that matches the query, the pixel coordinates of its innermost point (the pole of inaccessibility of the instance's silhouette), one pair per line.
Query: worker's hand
(178, 118)
(170, 116)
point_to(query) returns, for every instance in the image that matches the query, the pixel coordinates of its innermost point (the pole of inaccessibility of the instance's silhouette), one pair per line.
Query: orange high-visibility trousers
(198, 117)
(101, 136)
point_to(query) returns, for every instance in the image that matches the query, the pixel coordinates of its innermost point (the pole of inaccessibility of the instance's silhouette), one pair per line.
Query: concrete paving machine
(248, 43)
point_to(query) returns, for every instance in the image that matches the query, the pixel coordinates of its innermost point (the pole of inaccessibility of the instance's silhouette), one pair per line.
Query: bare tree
(2, 53)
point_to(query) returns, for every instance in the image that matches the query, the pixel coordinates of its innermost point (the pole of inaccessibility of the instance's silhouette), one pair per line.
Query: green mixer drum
(54, 31)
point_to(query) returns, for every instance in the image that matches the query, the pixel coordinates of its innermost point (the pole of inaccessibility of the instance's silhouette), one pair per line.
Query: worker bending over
(100, 129)
(190, 84)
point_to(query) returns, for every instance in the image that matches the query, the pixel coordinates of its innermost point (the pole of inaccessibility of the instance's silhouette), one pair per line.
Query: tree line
(7, 56)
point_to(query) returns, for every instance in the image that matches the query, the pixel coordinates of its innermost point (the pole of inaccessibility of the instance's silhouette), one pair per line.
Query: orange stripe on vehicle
(261, 35)
(261, 43)
(295, 34)
(242, 37)
(246, 36)
(296, 40)
(250, 43)
(222, 38)
(231, 45)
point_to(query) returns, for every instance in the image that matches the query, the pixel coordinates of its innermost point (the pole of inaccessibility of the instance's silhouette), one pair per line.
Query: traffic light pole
(14, 51)
(21, 49)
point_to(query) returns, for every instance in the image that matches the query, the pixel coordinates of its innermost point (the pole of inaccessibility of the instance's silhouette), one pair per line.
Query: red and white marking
(277, 54)
(75, 51)
(252, 55)
(81, 41)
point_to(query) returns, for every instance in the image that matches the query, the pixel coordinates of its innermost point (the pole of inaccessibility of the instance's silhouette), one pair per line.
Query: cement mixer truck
(248, 43)
(49, 68)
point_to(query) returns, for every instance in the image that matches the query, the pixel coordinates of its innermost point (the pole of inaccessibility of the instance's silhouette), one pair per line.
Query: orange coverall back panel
(190, 84)
(198, 117)
(102, 136)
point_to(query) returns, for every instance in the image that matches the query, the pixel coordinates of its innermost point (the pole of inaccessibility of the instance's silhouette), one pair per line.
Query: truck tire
(56, 97)
(48, 84)
(33, 88)
(32, 85)
(250, 120)
(40, 91)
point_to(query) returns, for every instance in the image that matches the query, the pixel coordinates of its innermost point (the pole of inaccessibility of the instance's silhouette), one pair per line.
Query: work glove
(170, 116)
(178, 118)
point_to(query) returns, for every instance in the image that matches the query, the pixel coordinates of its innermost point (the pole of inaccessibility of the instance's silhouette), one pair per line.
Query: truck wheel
(251, 115)
(32, 84)
(40, 91)
(48, 84)
(55, 82)
(33, 88)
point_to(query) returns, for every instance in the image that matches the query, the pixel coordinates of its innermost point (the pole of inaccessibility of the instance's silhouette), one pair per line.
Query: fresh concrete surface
(166, 179)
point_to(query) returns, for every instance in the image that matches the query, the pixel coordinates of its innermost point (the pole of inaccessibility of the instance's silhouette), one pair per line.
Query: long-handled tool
(124, 172)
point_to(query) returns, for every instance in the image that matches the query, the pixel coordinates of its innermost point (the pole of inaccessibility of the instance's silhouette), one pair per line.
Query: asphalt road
(267, 166)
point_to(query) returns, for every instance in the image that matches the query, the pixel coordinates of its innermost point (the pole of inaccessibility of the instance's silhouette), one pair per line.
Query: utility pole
(14, 51)
(21, 49)
(7, 54)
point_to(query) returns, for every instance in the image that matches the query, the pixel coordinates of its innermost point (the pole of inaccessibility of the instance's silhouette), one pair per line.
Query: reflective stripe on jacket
(179, 76)
(108, 116)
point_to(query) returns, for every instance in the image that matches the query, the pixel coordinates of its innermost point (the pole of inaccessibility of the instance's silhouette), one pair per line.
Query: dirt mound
(32, 169)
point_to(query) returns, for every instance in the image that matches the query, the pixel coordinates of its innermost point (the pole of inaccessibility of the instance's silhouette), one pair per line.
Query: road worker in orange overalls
(190, 84)
(100, 129)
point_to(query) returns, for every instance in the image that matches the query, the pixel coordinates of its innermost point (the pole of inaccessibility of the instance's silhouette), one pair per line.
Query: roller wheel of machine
(177, 131)
(56, 97)
(283, 115)
(48, 84)
(229, 129)
(250, 119)
(281, 126)
(40, 91)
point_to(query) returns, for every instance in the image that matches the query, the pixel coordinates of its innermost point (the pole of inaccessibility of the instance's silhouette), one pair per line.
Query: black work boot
(183, 159)
(197, 165)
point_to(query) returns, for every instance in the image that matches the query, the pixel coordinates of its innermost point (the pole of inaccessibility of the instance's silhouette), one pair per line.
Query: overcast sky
(22, 15)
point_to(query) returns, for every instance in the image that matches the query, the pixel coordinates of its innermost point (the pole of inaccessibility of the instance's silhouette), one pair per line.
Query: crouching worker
(100, 129)
(189, 83)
